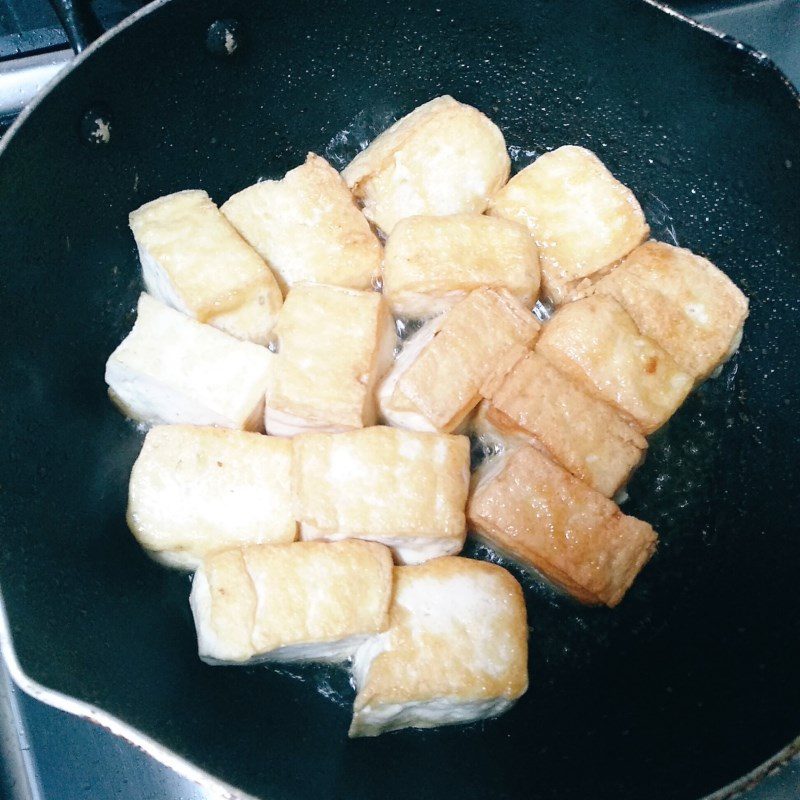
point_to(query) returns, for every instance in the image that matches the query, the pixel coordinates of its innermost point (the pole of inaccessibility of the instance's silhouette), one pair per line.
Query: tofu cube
(442, 158)
(172, 369)
(196, 490)
(435, 386)
(489, 437)
(307, 227)
(683, 302)
(307, 601)
(333, 345)
(585, 435)
(596, 343)
(582, 218)
(456, 649)
(529, 508)
(193, 260)
(404, 489)
(431, 263)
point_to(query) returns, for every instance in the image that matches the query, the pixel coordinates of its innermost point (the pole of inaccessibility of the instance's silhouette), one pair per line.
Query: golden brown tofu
(442, 158)
(438, 385)
(307, 601)
(683, 302)
(195, 490)
(596, 343)
(431, 263)
(402, 488)
(193, 260)
(307, 227)
(333, 345)
(456, 649)
(533, 510)
(582, 218)
(583, 434)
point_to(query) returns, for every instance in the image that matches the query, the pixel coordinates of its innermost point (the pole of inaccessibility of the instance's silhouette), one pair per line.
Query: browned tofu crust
(583, 434)
(683, 302)
(582, 218)
(474, 647)
(596, 343)
(393, 178)
(431, 262)
(539, 514)
(443, 382)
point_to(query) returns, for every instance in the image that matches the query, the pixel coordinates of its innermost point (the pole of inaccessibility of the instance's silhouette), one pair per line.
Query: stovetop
(47, 754)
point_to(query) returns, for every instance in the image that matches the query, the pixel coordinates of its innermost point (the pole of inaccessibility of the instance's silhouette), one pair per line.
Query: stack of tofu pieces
(336, 535)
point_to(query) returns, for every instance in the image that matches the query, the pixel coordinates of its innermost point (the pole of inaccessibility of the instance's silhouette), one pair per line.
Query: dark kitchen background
(46, 754)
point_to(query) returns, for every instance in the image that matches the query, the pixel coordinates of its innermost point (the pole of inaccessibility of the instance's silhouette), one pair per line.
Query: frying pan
(692, 681)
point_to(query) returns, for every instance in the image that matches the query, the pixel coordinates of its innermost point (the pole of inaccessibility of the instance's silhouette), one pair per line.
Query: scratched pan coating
(692, 681)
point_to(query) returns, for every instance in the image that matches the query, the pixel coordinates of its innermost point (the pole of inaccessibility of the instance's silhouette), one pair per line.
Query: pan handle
(79, 22)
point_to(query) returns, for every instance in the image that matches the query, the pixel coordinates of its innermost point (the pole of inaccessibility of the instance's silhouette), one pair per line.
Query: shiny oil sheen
(687, 685)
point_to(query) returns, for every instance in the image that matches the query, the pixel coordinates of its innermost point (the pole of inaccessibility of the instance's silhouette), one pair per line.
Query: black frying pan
(693, 680)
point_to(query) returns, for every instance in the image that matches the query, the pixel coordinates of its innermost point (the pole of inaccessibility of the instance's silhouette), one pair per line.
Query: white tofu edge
(411, 351)
(158, 283)
(421, 305)
(283, 423)
(147, 400)
(377, 718)
(405, 549)
(215, 651)
(186, 560)
(735, 342)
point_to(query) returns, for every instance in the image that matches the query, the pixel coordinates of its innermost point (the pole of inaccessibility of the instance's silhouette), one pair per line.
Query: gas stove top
(47, 754)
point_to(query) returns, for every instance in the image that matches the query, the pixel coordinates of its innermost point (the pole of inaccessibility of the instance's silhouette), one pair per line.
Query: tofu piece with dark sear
(307, 227)
(595, 342)
(583, 434)
(683, 302)
(332, 346)
(437, 385)
(307, 601)
(432, 263)
(442, 158)
(172, 369)
(195, 490)
(529, 508)
(405, 489)
(456, 649)
(194, 260)
(582, 218)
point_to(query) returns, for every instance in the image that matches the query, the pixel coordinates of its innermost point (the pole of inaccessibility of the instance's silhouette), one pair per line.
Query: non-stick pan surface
(692, 681)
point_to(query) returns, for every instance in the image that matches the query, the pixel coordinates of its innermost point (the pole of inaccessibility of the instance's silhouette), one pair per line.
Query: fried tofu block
(442, 158)
(193, 260)
(683, 302)
(307, 601)
(172, 369)
(582, 218)
(456, 649)
(596, 343)
(534, 511)
(583, 434)
(436, 386)
(333, 345)
(402, 488)
(491, 439)
(307, 227)
(196, 490)
(431, 263)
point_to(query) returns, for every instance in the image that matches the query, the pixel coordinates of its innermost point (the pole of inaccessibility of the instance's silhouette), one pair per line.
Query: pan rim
(178, 763)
